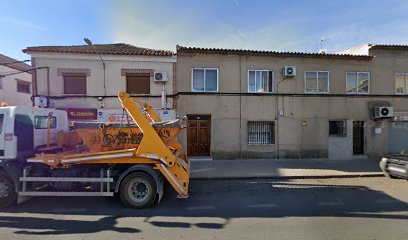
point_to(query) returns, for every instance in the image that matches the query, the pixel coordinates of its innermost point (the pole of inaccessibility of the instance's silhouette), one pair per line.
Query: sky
(275, 25)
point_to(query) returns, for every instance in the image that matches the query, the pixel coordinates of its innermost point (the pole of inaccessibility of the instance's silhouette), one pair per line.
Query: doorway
(198, 135)
(358, 137)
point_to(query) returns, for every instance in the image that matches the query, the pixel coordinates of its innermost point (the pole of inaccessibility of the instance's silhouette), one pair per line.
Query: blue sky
(285, 25)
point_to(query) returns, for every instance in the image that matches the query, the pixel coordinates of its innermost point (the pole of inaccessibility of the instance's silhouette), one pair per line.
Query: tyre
(7, 190)
(138, 190)
(386, 174)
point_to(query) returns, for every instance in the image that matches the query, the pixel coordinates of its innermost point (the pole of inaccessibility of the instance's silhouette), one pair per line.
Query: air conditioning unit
(289, 71)
(160, 77)
(383, 112)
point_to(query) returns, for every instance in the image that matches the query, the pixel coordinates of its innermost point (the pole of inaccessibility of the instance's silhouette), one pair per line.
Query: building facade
(15, 82)
(261, 104)
(86, 80)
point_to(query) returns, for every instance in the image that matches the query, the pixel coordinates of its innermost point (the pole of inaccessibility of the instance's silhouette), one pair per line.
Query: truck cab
(24, 129)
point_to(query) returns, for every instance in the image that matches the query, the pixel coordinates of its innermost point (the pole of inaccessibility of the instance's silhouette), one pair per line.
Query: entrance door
(358, 137)
(198, 136)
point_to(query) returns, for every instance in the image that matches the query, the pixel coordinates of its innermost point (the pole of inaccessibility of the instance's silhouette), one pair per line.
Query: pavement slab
(282, 169)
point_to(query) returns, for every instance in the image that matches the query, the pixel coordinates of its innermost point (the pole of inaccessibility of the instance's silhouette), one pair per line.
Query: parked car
(395, 166)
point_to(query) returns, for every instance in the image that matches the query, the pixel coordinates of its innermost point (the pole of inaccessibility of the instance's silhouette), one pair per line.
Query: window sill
(262, 92)
(261, 144)
(205, 91)
(317, 93)
(358, 93)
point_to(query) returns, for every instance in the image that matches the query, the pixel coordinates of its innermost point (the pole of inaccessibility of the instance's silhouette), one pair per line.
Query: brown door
(358, 137)
(198, 136)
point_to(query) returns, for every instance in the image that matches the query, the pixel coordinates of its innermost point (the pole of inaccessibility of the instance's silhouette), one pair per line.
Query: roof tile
(109, 49)
(181, 49)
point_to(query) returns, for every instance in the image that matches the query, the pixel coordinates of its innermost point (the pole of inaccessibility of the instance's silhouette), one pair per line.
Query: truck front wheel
(138, 190)
(7, 190)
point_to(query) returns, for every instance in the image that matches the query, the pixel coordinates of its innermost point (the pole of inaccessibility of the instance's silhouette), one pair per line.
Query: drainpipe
(163, 97)
(240, 106)
(34, 82)
(48, 81)
(277, 115)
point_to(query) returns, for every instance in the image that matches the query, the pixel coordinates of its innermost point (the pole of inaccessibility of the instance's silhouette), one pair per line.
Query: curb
(367, 175)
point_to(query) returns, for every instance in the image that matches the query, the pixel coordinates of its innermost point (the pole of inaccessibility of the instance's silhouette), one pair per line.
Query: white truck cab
(24, 129)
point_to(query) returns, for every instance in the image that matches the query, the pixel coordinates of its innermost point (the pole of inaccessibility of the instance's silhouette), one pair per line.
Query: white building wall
(8, 87)
(115, 82)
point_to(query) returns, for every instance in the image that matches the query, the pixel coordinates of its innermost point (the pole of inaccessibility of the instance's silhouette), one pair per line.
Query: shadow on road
(212, 204)
(51, 226)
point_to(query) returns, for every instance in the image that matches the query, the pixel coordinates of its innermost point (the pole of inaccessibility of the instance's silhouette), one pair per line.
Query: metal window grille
(261, 132)
(338, 128)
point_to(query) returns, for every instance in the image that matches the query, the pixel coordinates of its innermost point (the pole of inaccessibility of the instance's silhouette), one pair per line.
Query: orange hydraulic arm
(148, 109)
(151, 145)
(169, 159)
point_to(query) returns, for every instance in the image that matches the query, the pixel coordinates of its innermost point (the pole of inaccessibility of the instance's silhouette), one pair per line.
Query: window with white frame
(261, 132)
(316, 82)
(401, 83)
(357, 82)
(260, 81)
(205, 80)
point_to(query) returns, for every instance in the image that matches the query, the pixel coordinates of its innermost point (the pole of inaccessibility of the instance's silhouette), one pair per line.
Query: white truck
(32, 163)
(24, 130)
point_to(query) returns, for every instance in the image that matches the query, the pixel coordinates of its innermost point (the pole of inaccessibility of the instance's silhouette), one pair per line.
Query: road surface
(357, 208)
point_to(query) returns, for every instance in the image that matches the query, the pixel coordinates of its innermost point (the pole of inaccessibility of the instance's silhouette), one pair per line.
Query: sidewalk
(284, 168)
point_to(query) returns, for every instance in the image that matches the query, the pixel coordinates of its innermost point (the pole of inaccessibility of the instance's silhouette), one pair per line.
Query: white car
(395, 166)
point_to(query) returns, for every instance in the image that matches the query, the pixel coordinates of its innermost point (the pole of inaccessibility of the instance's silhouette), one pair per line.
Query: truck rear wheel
(138, 190)
(7, 190)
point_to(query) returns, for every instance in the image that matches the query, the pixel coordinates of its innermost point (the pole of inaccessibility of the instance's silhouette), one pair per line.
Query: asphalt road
(359, 208)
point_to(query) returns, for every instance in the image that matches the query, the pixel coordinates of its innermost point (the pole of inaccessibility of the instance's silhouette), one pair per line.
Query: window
(357, 82)
(23, 86)
(205, 80)
(260, 81)
(74, 83)
(1, 82)
(401, 81)
(317, 82)
(138, 83)
(41, 122)
(337, 128)
(1, 122)
(261, 132)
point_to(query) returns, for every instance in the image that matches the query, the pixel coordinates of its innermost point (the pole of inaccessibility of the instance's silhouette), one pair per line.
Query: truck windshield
(1, 122)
